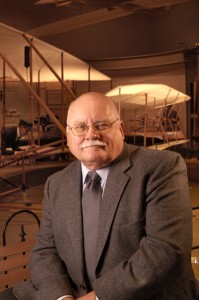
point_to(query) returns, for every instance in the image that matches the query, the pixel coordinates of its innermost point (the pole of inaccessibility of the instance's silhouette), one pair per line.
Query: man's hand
(89, 296)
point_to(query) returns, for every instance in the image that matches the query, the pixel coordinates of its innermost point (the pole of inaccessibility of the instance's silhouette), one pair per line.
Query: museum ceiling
(48, 17)
(72, 24)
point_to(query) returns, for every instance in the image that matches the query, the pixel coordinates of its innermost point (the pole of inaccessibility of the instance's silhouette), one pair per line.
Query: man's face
(95, 149)
(23, 130)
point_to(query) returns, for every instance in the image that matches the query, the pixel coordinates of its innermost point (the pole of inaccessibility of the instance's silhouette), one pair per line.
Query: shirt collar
(103, 173)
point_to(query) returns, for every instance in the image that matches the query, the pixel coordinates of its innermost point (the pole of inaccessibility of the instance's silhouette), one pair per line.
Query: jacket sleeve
(49, 275)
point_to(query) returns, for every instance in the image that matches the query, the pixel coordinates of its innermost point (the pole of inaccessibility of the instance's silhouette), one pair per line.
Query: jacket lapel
(116, 183)
(72, 197)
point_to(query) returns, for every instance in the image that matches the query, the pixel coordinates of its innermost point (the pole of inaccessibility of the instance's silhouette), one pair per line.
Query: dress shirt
(103, 173)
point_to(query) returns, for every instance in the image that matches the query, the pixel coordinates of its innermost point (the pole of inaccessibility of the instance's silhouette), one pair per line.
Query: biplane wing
(152, 95)
(148, 104)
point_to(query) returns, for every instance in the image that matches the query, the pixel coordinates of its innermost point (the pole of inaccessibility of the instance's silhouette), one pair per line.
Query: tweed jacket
(144, 238)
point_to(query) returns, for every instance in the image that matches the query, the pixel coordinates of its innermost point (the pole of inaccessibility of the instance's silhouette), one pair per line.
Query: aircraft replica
(32, 62)
(156, 112)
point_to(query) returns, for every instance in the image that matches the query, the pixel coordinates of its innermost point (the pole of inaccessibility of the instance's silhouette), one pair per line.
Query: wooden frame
(14, 263)
(15, 257)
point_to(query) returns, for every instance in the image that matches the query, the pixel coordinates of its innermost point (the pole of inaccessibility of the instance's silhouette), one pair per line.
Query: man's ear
(122, 128)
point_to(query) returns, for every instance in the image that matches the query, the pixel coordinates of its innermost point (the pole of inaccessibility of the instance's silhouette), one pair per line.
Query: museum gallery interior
(143, 54)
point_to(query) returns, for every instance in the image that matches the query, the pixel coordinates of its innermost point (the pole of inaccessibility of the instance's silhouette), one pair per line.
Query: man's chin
(95, 153)
(95, 162)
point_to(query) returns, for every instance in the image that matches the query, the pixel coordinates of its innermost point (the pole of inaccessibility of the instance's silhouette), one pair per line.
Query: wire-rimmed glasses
(81, 129)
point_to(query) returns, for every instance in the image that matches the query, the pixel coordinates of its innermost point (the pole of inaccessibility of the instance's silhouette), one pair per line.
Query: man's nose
(92, 133)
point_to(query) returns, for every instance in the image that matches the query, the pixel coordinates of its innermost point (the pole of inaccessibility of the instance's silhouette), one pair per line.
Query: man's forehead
(84, 113)
(90, 120)
(89, 108)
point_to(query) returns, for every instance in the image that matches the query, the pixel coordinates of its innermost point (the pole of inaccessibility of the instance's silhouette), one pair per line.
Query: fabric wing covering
(12, 46)
(150, 95)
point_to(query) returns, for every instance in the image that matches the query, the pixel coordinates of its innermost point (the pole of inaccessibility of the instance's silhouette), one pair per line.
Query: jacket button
(82, 286)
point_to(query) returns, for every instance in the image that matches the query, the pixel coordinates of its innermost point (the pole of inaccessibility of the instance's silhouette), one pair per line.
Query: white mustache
(92, 143)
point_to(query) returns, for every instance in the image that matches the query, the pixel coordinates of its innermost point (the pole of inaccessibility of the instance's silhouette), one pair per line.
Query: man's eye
(102, 126)
(81, 127)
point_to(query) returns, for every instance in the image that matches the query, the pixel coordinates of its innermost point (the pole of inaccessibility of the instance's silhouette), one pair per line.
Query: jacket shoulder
(68, 170)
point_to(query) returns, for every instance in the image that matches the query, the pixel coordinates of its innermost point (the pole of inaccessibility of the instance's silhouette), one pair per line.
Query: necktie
(90, 208)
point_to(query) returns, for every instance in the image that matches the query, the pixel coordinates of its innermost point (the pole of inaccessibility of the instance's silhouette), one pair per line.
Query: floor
(30, 198)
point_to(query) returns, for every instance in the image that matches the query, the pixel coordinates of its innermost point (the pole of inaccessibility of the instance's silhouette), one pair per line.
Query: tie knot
(93, 175)
(92, 179)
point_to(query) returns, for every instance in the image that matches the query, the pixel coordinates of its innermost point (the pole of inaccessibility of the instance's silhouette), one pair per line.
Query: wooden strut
(26, 154)
(10, 192)
(145, 120)
(34, 150)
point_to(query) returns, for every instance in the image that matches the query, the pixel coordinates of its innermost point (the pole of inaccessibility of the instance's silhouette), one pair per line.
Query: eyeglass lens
(83, 128)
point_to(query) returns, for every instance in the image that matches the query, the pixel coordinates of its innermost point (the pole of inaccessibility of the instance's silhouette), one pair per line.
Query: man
(12, 137)
(144, 232)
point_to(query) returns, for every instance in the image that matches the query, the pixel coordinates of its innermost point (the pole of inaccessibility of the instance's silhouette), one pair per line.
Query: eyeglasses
(81, 129)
